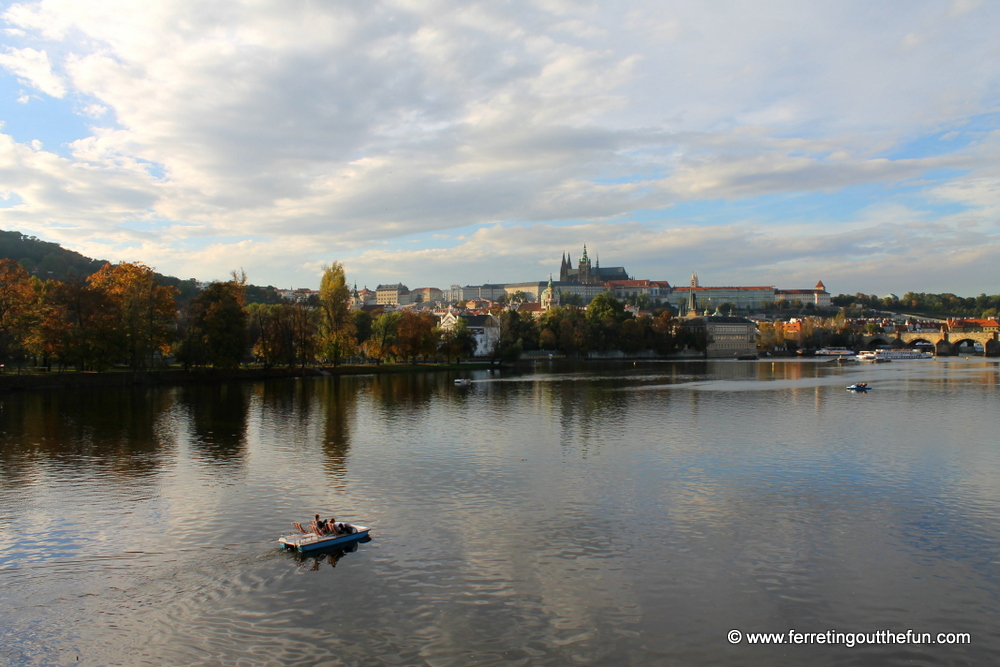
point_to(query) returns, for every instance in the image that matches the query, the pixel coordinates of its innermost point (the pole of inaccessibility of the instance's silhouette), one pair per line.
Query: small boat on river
(860, 387)
(463, 382)
(309, 541)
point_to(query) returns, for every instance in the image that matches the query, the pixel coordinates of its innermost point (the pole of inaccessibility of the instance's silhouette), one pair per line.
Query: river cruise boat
(879, 356)
(311, 541)
(834, 352)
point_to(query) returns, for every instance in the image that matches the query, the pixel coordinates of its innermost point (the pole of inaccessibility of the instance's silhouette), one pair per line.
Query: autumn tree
(415, 336)
(18, 300)
(47, 338)
(144, 309)
(84, 317)
(336, 324)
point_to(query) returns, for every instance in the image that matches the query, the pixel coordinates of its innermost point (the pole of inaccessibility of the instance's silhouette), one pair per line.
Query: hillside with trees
(50, 261)
(919, 303)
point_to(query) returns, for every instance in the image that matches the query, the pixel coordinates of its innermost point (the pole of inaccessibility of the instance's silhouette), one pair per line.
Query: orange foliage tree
(18, 301)
(144, 311)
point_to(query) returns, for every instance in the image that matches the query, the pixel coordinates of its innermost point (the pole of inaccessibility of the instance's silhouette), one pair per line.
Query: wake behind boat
(317, 538)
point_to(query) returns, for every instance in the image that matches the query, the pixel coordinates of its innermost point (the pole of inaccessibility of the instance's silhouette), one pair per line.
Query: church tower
(549, 298)
(692, 305)
(583, 275)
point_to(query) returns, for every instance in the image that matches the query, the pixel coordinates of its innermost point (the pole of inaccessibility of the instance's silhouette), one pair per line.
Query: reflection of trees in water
(291, 408)
(114, 429)
(408, 393)
(339, 399)
(590, 412)
(310, 412)
(218, 419)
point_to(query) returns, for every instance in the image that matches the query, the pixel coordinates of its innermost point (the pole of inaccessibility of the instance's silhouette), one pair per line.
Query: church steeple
(549, 299)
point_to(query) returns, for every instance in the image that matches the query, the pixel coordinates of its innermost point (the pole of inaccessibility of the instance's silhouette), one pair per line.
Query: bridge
(945, 343)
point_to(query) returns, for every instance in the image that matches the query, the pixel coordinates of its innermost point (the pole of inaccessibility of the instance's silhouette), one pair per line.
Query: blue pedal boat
(312, 541)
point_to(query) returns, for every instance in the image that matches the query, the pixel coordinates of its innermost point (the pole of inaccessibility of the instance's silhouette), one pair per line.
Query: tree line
(123, 315)
(920, 303)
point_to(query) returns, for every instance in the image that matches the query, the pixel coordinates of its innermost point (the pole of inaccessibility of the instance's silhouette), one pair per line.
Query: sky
(435, 142)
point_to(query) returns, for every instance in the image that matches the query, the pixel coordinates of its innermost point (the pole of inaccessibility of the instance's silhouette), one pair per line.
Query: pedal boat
(311, 541)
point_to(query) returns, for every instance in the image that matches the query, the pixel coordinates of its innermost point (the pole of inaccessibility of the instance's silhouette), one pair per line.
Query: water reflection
(403, 395)
(597, 514)
(338, 399)
(314, 560)
(217, 420)
(117, 431)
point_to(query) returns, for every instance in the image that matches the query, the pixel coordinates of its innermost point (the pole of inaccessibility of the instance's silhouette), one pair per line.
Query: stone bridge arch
(944, 342)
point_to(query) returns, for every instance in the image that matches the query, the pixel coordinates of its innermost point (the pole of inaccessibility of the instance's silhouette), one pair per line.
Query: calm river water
(592, 514)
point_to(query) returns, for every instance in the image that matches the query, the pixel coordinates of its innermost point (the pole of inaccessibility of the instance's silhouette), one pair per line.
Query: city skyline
(427, 143)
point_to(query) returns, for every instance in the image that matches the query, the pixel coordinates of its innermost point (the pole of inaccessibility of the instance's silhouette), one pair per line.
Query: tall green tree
(336, 323)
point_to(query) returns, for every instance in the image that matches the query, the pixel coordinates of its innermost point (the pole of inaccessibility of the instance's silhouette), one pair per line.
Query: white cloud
(33, 69)
(306, 129)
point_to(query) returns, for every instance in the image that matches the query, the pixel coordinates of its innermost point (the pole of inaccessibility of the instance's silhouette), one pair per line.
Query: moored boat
(893, 355)
(312, 541)
(834, 352)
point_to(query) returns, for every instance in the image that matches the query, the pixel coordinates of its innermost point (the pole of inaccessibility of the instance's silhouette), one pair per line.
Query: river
(600, 514)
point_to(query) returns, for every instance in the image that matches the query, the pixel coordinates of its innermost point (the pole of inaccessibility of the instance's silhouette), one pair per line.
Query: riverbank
(38, 380)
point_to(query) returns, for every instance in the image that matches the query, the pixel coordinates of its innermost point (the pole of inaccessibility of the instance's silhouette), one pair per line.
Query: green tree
(272, 333)
(605, 305)
(216, 326)
(516, 332)
(336, 323)
(457, 341)
(381, 343)
(362, 326)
